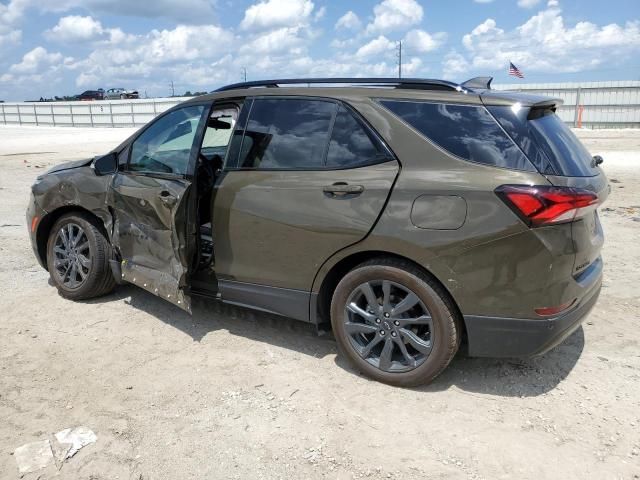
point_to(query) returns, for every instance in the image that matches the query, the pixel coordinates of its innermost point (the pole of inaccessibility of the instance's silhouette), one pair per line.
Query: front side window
(287, 134)
(165, 147)
(467, 131)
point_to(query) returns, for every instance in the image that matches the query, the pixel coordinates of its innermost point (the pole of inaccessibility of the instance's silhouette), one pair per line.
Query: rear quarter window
(547, 140)
(466, 131)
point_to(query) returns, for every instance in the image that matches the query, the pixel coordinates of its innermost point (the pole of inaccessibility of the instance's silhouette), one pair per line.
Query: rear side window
(466, 131)
(351, 145)
(563, 149)
(287, 134)
(548, 142)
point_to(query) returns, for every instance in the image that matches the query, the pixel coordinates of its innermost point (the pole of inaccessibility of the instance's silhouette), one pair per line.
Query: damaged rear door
(150, 202)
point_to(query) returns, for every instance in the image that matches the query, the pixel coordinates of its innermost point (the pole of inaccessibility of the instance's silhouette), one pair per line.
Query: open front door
(152, 205)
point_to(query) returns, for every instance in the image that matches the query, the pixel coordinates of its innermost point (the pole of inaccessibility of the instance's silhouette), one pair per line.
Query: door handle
(342, 189)
(167, 198)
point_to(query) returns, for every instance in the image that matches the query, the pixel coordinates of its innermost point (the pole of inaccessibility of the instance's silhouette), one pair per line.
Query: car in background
(90, 95)
(120, 94)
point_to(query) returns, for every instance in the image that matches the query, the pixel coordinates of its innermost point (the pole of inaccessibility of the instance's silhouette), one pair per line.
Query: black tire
(443, 332)
(99, 280)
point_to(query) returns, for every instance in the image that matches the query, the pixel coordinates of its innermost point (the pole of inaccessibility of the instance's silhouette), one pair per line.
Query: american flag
(514, 72)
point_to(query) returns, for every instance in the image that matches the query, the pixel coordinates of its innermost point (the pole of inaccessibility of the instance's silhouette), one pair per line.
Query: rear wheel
(78, 258)
(394, 323)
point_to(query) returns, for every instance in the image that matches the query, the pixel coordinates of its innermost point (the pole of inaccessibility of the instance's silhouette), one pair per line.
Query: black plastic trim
(280, 301)
(518, 337)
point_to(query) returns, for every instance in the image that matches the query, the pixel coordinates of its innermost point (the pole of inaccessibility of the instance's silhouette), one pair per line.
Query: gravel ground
(229, 393)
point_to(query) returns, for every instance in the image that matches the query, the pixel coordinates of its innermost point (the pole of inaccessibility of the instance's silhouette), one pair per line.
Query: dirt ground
(229, 393)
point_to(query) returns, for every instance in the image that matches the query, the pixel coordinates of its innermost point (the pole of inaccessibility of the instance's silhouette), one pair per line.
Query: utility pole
(244, 74)
(400, 59)
(173, 90)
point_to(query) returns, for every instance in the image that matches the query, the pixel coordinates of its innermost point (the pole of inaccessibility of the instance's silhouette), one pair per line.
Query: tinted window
(351, 145)
(165, 147)
(236, 138)
(287, 134)
(468, 132)
(568, 156)
(547, 141)
(514, 121)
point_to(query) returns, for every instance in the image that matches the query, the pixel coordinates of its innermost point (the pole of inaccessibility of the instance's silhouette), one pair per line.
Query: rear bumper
(517, 337)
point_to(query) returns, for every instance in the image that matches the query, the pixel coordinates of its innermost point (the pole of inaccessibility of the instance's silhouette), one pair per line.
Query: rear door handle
(167, 198)
(341, 189)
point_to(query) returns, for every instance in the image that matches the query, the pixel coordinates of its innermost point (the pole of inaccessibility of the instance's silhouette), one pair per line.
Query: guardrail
(101, 113)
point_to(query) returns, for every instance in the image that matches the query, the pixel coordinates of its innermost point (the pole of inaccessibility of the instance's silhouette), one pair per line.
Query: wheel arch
(337, 271)
(46, 224)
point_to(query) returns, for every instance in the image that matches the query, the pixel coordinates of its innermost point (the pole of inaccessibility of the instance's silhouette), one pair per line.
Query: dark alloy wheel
(72, 256)
(394, 322)
(78, 254)
(389, 326)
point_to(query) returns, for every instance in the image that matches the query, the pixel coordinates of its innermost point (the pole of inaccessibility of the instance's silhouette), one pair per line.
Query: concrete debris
(75, 439)
(33, 456)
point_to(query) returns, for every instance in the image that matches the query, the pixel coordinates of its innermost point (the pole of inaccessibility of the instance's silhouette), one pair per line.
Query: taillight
(544, 205)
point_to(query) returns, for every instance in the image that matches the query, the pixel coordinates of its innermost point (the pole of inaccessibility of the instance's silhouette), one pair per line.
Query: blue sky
(69, 46)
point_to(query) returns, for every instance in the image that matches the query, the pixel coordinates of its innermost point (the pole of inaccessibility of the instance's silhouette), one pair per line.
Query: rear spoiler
(509, 98)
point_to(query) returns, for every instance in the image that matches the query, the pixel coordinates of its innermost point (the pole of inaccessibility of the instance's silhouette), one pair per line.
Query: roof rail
(405, 83)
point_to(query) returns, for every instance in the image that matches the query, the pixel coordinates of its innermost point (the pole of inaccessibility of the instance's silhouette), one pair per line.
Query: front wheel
(394, 323)
(78, 258)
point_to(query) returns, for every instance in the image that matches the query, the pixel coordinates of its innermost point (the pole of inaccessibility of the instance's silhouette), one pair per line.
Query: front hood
(69, 165)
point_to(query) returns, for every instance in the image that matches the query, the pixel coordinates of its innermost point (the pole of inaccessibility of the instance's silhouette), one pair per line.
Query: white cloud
(35, 60)
(10, 14)
(395, 15)
(545, 43)
(420, 41)
(377, 46)
(184, 11)
(286, 39)
(276, 13)
(75, 28)
(454, 64)
(528, 3)
(349, 21)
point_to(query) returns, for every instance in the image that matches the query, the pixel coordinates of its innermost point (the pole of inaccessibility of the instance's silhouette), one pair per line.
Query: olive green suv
(411, 216)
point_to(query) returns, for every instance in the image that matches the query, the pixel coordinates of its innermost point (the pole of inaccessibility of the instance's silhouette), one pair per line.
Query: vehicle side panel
(277, 228)
(493, 262)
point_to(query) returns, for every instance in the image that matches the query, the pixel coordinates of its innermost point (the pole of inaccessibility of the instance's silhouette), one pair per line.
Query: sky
(63, 47)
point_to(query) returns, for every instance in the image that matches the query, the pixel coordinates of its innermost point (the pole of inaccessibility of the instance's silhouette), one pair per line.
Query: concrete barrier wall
(603, 104)
(104, 113)
(586, 104)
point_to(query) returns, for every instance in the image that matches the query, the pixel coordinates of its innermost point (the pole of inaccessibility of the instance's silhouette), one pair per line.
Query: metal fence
(116, 113)
(586, 104)
(591, 104)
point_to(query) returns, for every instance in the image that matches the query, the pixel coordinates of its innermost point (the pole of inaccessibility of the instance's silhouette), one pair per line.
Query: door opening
(211, 157)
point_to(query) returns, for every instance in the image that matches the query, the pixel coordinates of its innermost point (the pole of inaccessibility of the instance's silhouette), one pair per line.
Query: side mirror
(106, 165)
